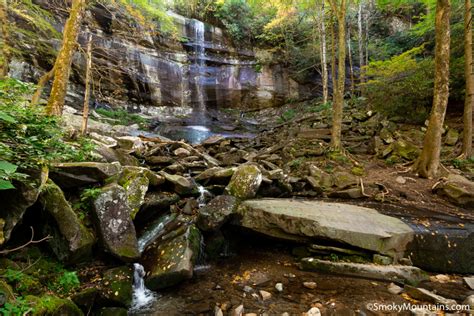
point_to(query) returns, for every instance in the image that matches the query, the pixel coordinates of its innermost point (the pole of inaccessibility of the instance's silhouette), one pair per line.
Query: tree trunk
(324, 64)
(6, 54)
(45, 78)
(360, 43)
(349, 55)
(85, 111)
(338, 102)
(469, 98)
(428, 163)
(62, 66)
(333, 58)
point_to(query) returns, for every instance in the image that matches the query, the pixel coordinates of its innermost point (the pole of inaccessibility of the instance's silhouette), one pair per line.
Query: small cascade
(155, 230)
(204, 196)
(142, 297)
(201, 262)
(199, 65)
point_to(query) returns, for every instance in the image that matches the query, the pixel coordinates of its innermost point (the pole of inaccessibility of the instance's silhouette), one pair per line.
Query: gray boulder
(457, 189)
(245, 182)
(77, 174)
(114, 223)
(212, 216)
(181, 185)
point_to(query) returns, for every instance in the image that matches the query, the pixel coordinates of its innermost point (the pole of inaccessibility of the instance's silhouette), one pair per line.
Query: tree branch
(6, 251)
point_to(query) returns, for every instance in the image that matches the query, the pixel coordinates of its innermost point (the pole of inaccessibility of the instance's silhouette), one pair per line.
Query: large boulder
(212, 216)
(114, 223)
(456, 189)
(117, 286)
(245, 182)
(14, 204)
(135, 182)
(181, 185)
(172, 261)
(357, 226)
(52, 305)
(72, 241)
(77, 174)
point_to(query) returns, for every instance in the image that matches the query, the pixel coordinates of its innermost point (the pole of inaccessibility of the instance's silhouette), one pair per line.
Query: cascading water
(142, 297)
(204, 195)
(155, 230)
(199, 66)
(201, 263)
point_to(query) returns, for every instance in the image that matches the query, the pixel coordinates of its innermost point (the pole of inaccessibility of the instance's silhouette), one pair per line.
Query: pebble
(394, 289)
(290, 275)
(470, 282)
(279, 287)
(285, 314)
(313, 312)
(401, 180)
(310, 285)
(248, 289)
(218, 311)
(238, 311)
(441, 278)
(469, 301)
(265, 295)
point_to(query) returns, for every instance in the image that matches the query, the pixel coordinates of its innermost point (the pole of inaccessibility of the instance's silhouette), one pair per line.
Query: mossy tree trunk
(339, 10)
(44, 79)
(6, 54)
(428, 163)
(85, 111)
(324, 63)
(469, 98)
(62, 66)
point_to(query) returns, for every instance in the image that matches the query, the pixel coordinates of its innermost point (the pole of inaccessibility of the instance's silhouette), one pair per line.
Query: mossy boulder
(86, 298)
(117, 287)
(216, 175)
(155, 204)
(6, 293)
(51, 305)
(170, 262)
(180, 184)
(14, 205)
(72, 241)
(77, 174)
(452, 137)
(343, 180)
(245, 182)
(114, 224)
(457, 189)
(135, 182)
(217, 212)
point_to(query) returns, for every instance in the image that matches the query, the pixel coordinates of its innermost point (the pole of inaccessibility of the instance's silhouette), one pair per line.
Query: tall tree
(6, 55)
(324, 63)
(85, 111)
(360, 41)
(339, 10)
(62, 65)
(469, 98)
(428, 163)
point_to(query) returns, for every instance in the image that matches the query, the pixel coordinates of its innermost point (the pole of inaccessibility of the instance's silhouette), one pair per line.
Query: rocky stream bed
(266, 224)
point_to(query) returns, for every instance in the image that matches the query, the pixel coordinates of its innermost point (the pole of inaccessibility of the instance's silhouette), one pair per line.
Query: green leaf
(6, 185)
(7, 118)
(9, 168)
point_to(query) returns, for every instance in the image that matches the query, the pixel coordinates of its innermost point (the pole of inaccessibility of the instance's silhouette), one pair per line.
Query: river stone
(106, 140)
(428, 296)
(343, 180)
(72, 241)
(135, 182)
(14, 203)
(181, 185)
(170, 262)
(245, 182)
(469, 301)
(216, 175)
(76, 174)
(395, 273)
(457, 189)
(361, 227)
(130, 143)
(117, 286)
(216, 213)
(52, 305)
(470, 282)
(114, 224)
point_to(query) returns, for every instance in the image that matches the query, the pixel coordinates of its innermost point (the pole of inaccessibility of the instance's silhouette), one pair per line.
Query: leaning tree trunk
(428, 163)
(62, 66)
(469, 98)
(360, 43)
(338, 102)
(6, 54)
(85, 111)
(44, 79)
(324, 64)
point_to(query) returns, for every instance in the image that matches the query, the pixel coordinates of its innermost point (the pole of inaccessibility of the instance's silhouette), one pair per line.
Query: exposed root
(362, 189)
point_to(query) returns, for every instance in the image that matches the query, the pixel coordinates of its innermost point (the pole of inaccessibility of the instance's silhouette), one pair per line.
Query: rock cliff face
(195, 70)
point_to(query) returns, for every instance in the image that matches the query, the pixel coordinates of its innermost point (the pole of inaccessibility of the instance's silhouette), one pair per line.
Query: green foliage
(29, 138)
(19, 307)
(65, 282)
(288, 115)
(400, 85)
(7, 174)
(123, 117)
(86, 198)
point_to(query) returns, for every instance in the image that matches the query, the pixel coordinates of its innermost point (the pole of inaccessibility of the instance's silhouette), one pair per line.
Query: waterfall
(204, 195)
(201, 264)
(199, 65)
(142, 297)
(151, 233)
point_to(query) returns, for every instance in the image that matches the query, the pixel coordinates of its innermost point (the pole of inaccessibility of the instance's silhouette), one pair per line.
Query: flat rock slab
(76, 174)
(357, 226)
(395, 273)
